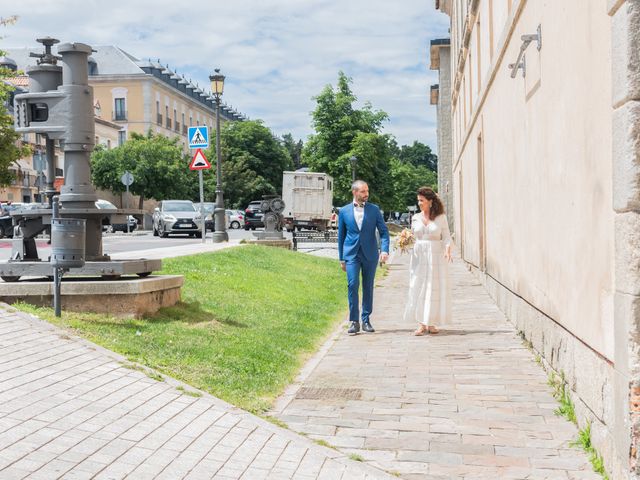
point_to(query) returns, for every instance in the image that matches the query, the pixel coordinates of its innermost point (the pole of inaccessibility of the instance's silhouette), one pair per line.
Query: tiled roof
(19, 81)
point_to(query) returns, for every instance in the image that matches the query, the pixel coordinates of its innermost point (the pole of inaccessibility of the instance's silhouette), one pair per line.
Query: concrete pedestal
(128, 297)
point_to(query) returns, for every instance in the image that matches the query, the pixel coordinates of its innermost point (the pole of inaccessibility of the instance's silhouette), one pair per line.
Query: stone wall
(445, 153)
(590, 377)
(625, 31)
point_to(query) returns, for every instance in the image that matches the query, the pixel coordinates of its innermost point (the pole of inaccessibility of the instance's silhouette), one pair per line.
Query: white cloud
(277, 54)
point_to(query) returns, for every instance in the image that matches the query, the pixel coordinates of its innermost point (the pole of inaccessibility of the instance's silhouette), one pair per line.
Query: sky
(276, 54)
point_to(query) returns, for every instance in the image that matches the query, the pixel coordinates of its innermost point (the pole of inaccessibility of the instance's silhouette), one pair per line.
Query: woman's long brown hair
(436, 204)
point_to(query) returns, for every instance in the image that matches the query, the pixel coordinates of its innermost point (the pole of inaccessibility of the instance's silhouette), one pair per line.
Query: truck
(308, 199)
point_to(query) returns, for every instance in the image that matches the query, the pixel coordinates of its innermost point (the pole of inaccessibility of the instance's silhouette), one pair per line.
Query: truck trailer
(308, 199)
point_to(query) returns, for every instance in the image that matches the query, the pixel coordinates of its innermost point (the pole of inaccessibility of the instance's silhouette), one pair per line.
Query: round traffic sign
(126, 178)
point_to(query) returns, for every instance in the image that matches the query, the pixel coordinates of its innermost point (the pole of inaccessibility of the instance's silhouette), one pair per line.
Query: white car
(236, 219)
(177, 216)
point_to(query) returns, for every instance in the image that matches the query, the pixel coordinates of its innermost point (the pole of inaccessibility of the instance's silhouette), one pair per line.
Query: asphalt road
(122, 243)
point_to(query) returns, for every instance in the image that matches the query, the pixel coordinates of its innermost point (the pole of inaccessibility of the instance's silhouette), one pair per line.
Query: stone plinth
(129, 297)
(273, 242)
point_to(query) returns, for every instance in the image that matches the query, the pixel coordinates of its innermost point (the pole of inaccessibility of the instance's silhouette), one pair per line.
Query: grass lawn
(248, 319)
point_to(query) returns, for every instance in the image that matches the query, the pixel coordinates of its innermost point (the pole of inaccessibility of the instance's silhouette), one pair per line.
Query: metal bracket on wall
(526, 40)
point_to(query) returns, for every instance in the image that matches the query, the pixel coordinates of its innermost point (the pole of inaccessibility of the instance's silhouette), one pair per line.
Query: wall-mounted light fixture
(520, 63)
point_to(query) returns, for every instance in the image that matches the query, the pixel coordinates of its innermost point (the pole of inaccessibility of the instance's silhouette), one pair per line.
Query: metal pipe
(220, 235)
(57, 271)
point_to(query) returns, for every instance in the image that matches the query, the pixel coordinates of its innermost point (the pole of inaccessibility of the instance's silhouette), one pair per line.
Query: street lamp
(220, 234)
(353, 161)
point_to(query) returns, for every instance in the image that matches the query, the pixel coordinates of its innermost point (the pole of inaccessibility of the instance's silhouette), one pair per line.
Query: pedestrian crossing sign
(199, 161)
(199, 137)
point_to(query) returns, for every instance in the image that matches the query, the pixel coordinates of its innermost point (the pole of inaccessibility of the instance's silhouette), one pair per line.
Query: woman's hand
(447, 255)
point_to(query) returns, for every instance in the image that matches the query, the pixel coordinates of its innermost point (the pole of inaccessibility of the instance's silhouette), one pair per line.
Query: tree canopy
(343, 131)
(253, 160)
(419, 154)
(10, 148)
(157, 163)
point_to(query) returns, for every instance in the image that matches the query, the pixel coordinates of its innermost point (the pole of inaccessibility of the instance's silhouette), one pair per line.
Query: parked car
(105, 205)
(253, 215)
(122, 227)
(6, 221)
(333, 221)
(177, 216)
(235, 218)
(209, 221)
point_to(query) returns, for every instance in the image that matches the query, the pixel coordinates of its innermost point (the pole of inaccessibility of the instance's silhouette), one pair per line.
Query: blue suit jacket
(351, 239)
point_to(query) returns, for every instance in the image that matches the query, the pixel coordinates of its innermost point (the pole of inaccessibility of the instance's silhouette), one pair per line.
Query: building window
(122, 137)
(108, 143)
(158, 114)
(120, 112)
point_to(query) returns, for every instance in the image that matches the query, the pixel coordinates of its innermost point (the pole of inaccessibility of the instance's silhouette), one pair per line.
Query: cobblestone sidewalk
(468, 403)
(70, 409)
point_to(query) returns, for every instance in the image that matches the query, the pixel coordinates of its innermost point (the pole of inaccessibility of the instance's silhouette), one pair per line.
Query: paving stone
(72, 411)
(468, 403)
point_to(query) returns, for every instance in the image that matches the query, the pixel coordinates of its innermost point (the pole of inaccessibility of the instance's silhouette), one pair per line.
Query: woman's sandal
(421, 331)
(433, 330)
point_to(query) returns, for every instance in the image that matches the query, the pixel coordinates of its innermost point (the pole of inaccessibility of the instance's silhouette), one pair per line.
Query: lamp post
(220, 234)
(353, 161)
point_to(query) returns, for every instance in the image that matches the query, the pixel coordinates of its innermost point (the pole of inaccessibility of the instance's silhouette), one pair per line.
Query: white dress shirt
(358, 213)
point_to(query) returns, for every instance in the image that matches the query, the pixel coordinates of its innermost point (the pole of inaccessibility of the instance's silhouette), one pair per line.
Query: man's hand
(384, 256)
(343, 265)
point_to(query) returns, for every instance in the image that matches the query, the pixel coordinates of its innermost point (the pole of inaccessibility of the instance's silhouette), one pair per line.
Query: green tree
(11, 149)
(419, 154)
(252, 163)
(159, 168)
(294, 148)
(405, 179)
(341, 131)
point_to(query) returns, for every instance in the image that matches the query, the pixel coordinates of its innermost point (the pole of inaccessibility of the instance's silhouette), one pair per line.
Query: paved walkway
(468, 403)
(70, 409)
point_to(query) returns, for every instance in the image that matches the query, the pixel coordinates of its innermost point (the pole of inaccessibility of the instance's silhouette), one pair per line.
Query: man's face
(361, 194)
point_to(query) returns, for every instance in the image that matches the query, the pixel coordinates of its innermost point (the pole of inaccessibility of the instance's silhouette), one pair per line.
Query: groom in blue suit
(358, 251)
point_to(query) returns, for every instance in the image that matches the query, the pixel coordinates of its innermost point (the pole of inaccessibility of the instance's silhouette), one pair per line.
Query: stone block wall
(625, 40)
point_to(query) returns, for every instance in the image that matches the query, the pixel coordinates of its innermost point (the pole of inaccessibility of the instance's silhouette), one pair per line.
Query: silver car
(236, 218)
(177, 216)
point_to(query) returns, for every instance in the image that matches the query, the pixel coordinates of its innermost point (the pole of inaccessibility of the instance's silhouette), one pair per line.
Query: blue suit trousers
(355, 266)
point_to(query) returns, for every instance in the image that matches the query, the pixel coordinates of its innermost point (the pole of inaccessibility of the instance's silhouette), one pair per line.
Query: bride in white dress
(429, 298)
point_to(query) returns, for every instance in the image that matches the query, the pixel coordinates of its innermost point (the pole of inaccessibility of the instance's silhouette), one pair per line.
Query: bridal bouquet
(405, 240)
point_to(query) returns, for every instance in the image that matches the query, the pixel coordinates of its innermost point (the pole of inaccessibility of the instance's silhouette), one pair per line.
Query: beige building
(130, 95)
(142, 95)
(545, 166)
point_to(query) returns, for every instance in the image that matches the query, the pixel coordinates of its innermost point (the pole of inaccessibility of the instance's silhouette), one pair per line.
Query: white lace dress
(429, 296)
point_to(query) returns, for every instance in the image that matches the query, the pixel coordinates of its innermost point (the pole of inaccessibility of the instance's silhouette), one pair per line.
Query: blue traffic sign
(199, 137)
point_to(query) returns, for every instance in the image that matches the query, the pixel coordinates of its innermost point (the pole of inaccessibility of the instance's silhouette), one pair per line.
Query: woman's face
(424, 204)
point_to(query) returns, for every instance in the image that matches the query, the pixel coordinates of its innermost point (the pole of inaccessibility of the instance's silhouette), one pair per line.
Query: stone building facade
(441, 98)
(545, 128)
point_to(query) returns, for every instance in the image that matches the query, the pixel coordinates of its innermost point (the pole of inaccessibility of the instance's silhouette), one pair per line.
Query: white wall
(547, 149)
